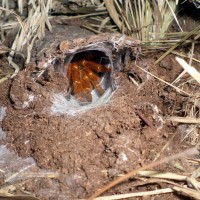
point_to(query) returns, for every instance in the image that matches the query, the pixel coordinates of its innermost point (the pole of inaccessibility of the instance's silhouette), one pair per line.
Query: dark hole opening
(93, 55)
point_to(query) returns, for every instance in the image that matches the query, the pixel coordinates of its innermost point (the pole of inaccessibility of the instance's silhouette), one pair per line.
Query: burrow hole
(90, 76)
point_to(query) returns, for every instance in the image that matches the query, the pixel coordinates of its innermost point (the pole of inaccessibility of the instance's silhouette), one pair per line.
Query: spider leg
(87, 86)
(78, 89)
(95, 66)
(95, 80)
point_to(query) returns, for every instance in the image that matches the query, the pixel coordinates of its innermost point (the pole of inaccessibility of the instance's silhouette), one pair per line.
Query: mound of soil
(94, 147)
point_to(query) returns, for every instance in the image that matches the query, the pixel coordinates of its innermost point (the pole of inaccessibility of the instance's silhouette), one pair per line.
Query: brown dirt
(93, 148)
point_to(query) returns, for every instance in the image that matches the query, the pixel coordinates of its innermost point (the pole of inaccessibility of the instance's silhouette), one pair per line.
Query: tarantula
(85, 76)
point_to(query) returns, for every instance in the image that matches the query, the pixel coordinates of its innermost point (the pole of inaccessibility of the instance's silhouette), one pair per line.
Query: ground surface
(93, 148)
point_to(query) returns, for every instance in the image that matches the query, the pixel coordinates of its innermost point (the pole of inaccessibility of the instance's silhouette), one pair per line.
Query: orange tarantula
(84, 77)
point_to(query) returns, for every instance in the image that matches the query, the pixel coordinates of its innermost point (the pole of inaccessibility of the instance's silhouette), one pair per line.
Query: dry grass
(193, 193)
(142, 18)
(27, 30)
(145, 20)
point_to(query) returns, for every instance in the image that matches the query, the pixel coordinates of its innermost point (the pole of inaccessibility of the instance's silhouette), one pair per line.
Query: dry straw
(31, 28)
(142, 19)
(189, 152)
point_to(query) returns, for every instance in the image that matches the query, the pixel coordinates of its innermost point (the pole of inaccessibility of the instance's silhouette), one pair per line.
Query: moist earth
(93, 148)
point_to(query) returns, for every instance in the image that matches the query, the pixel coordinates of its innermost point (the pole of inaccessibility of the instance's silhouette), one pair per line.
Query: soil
(95, 147)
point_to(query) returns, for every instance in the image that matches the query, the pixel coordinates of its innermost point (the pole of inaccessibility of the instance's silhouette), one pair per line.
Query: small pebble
(108, 128)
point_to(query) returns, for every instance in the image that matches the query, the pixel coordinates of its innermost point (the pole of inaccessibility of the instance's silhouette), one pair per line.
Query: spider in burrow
(84, 76)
